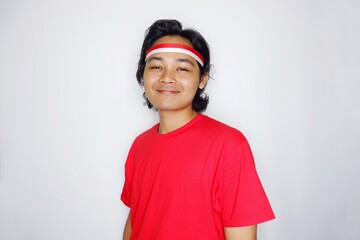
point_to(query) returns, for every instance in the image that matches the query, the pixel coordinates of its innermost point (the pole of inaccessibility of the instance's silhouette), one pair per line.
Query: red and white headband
(177, 48)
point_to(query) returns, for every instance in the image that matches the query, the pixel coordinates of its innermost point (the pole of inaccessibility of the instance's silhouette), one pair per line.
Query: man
(190, 176)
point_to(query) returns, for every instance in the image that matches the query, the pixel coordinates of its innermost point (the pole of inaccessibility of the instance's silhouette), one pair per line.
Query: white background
(286, 73)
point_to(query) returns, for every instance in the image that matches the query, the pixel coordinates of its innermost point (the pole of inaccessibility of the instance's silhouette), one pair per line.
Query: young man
(188, 177)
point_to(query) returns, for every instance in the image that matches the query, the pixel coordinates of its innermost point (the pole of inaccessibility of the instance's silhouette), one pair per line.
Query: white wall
(286, 74)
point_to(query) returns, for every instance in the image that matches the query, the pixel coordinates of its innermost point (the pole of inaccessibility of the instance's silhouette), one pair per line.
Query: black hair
(166, 27)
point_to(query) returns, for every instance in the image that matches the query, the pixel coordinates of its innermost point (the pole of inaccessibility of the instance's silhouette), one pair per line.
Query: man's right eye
(155, 67)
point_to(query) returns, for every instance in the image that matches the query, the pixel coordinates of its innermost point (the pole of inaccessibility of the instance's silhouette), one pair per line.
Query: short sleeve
(129, 169)
(243, 200)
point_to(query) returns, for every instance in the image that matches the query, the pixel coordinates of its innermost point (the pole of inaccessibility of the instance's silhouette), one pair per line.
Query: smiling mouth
(167, 91)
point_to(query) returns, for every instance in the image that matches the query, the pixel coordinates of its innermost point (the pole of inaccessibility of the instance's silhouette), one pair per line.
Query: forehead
(173, 39)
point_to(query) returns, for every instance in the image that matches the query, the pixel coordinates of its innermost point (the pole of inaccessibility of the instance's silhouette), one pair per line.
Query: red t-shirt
(192, 182)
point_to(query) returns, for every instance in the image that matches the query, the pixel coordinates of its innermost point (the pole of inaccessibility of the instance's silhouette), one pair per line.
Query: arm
(241, 233)
(127, 229)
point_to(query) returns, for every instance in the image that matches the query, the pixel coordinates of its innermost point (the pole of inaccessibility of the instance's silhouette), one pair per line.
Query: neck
(172, 120)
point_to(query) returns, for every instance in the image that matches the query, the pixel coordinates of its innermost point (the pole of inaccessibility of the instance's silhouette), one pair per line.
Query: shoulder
(146, 135)
(231, 144)
(223, 131)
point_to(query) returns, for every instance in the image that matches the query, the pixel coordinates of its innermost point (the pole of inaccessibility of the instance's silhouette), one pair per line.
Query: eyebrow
(155, 58)
(177, 60)
(184, 60)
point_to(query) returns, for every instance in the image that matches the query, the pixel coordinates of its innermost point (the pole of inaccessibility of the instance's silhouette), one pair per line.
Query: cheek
(147, 85)
(148, 80)
(191, 85)
(151, 74)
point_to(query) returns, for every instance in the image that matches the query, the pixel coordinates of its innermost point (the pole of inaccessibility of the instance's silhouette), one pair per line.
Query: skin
(171, 81)
(127, 229)
(241, 233)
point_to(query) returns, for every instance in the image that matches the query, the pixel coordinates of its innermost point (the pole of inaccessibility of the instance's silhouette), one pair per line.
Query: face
(172, 79)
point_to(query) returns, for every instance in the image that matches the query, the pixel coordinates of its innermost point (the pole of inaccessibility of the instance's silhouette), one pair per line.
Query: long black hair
(166, 27)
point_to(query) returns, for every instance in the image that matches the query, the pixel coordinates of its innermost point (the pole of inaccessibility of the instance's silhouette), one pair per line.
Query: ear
(203, 80)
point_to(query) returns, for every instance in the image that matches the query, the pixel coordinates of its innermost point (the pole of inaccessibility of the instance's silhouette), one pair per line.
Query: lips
(168, 91)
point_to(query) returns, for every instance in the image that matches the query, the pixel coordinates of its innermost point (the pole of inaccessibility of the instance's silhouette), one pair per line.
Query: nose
(168, 77)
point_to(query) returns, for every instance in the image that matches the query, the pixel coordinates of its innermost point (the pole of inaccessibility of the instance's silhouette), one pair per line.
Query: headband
(177, 48)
